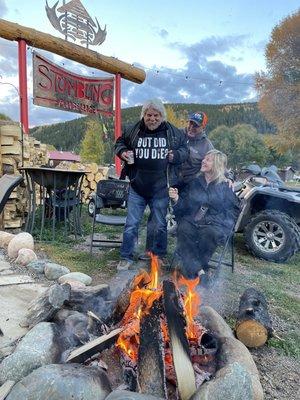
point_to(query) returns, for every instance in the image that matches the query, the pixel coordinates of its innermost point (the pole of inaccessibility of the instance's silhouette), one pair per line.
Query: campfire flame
(191, 305)
(147, 290)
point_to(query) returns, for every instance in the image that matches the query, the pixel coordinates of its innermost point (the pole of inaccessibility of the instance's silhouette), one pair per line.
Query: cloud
(210, 46)
(203, 78)
(200, 80)
(3, 8)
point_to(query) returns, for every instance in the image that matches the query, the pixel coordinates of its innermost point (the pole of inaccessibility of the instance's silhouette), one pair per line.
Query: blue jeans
(157, 231)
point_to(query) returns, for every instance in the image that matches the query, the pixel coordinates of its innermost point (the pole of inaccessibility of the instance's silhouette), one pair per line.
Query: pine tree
(92, 146)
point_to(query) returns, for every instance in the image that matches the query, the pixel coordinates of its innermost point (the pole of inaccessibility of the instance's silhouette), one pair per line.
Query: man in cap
(198, 145)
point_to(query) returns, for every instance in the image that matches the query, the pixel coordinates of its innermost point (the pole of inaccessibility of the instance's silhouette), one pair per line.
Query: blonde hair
(219, 165)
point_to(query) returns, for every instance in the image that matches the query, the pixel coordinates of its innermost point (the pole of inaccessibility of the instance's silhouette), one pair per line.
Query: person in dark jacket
(152, 150)
(198, 145)
(206, 211)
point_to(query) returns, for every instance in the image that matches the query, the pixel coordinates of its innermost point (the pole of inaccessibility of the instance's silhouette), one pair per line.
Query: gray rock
(76, 276)
(232, 351)
(76, 329)
(36, 266)
(214, 322)
(38, 347)
(231, 382)
(53, 271)
(63, 382)
(126, 395)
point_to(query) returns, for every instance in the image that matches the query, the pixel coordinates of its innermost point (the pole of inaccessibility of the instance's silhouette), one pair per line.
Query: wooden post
(90, 58)
(23, 86)
(118, 118)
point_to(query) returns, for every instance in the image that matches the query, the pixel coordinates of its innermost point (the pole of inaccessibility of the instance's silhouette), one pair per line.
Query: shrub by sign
(56, 87)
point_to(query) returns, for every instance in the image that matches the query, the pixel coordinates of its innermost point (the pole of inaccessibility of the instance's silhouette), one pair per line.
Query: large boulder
(63, 382)
(126, 395)
(38, 347)
(214, 322)
(37, 266)
(22, 240)
(233, 351)
(76, 276)
(53, 271)
(231, 382)
(5, 238)
(25, 256)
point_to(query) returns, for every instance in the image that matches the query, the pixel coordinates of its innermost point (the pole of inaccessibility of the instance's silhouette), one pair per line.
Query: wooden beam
(12, 31)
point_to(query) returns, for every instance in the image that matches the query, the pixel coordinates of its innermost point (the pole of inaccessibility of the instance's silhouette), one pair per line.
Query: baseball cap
(200, 118)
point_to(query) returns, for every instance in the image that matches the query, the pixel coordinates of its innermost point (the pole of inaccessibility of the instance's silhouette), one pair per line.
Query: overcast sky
(193, 51)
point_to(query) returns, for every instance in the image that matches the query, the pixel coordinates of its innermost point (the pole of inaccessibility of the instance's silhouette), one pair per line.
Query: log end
(251, 333)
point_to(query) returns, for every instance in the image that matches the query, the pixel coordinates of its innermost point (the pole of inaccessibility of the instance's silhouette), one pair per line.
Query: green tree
(4, 117)
(92, 146)
(241, 143)
(279, 87)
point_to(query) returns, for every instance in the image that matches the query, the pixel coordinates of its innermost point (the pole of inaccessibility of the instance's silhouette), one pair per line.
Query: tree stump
(253, 327)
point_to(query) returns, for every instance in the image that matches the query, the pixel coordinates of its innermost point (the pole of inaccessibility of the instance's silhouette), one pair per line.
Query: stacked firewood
(93, 174)
(34, 154)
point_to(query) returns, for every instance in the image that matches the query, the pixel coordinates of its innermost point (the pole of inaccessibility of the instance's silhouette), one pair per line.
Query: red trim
(118, 117)
(23, 85)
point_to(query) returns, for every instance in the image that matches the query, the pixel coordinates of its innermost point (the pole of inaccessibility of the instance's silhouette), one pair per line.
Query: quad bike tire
(272, 235)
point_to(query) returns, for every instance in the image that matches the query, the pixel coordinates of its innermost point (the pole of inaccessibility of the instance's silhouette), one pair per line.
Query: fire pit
(156, 342)
(161, 347)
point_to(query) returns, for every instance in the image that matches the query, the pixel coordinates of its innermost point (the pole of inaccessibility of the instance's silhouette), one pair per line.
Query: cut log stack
(34, 154)
(94, 173)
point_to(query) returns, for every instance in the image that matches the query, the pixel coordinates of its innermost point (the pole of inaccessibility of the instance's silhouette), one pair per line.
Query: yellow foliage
(174, 119)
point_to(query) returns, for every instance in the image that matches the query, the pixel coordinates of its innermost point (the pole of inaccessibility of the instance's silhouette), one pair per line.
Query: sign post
(23, 86)
(118, 118)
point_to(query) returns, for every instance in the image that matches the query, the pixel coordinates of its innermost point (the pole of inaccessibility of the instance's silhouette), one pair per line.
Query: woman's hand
(173, 193)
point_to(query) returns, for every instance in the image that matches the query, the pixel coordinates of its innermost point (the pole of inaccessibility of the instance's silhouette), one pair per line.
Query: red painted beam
(23, 85)
(118, 118)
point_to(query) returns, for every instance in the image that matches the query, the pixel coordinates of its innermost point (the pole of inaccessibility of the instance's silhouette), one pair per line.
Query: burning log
(123, 300)
(180, 346)
(151, 369)
(253, 325)
(84, 352)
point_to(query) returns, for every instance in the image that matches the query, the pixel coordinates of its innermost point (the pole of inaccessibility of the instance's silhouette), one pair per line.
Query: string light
(219, 82)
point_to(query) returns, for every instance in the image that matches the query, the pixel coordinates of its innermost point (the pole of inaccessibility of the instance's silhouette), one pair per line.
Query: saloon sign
(56, 87)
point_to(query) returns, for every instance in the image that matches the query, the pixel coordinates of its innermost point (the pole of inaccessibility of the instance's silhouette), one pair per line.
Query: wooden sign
(55, 87)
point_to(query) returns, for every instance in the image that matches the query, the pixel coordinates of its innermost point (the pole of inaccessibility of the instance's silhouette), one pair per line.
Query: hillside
(68, 135)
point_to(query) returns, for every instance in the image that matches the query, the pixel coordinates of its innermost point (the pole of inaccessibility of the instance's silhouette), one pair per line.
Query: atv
(270, 215)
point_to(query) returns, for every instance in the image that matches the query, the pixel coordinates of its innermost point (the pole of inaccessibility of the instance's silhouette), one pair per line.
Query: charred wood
(129, 368)
(151, 369)
(179, 343)
(253, 325)
(86, 351)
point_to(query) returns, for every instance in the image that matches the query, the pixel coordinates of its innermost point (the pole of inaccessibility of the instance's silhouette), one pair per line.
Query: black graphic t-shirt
(150, 157)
